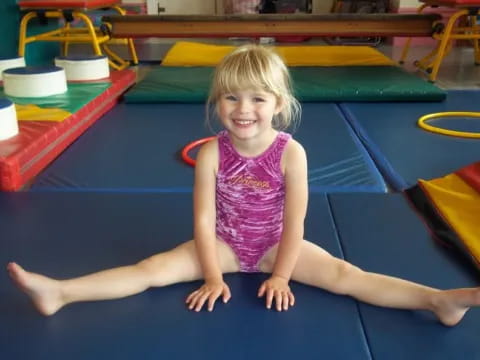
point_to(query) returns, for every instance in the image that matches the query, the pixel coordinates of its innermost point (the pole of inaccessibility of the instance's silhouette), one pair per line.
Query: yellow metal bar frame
(67, 35)
(451, 31)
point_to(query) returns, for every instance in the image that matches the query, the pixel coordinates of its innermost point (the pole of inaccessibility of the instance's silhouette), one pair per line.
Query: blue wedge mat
(402, 150)
(382, 234)
(102, 230)
(136, 148)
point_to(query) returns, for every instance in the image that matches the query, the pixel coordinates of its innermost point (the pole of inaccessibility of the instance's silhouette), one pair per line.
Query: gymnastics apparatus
(224, 26)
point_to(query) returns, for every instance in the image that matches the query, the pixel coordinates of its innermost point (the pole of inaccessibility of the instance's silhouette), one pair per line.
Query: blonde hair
(256, 67)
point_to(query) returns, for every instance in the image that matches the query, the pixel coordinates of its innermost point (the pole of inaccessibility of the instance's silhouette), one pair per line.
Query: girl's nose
(244, 106)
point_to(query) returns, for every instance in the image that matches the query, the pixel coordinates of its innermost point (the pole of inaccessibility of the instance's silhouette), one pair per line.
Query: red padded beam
(453, 3)
(66, 4)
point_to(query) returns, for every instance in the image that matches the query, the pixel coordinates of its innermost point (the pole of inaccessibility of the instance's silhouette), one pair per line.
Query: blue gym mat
(382, 234)
(102, 230)
(135, 148)
(403, 151)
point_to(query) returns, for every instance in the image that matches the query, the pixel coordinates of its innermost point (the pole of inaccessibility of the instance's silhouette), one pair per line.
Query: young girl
(250, 200)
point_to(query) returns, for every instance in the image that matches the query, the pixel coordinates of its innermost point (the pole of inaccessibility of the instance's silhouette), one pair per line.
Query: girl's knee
(152, 267)
(177, 265)
(344, 277)
(148, 265)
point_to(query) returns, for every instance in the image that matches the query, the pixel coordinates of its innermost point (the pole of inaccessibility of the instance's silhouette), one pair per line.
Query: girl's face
(248, 114)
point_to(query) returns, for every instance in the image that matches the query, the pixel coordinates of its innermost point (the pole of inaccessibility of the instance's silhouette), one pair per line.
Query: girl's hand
(277, 288)
(209, 292)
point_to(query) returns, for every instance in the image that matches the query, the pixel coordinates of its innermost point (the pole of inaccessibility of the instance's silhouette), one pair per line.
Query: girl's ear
(279, 106)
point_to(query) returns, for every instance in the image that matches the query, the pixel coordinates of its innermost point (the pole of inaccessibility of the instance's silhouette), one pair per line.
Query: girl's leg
(177, 265)
(318, 268)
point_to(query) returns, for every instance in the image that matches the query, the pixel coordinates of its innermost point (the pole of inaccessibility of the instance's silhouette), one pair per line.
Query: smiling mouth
(243, 122)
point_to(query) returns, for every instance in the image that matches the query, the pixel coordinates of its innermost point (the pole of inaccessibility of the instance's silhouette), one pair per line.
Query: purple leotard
(250, 196)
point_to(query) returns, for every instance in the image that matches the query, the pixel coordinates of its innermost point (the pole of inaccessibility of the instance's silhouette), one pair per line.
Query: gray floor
(458, 70)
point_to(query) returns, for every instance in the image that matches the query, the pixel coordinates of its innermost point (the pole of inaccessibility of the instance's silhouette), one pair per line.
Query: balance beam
(224, 26)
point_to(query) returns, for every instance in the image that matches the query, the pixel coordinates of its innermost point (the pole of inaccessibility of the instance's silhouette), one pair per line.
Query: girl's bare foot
(451, 305)
(44, 292)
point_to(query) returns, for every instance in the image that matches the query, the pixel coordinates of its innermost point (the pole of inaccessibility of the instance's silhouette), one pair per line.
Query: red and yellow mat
(39, 142)
(450, 206)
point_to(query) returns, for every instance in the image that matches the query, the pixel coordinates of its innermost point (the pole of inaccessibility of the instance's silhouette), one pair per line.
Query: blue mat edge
(389, 174)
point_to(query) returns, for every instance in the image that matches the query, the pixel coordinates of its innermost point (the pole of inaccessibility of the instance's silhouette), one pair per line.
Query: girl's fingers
(278, 300)
(193, 301)
(203, 296)
(196, 299)
(201, 300)
(226, 294)
(190, 297)
(212, 298)
(283, 300)
(269, 298)
(261, 291)
(286, 301)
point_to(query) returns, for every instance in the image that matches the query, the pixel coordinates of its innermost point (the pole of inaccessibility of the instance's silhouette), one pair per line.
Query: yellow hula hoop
(422, 122)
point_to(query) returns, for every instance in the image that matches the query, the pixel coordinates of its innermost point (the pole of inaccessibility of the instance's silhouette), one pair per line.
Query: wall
(37, 53)
(324, 6)
(182, 7)
(41, 52)
(409, 3)
(9, 22)
(210, 7)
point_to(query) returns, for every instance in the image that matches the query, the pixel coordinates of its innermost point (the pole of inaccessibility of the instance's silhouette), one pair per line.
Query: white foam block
(11, 63)
(34, 81)
(84, 69)
(8, 120)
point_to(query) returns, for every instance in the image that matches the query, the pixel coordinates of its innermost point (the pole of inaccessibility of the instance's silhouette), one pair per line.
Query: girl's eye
(258, 99)
(230, 97)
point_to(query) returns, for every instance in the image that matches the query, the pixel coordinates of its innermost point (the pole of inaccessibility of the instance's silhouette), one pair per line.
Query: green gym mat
(77, 96)
(311, 84)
